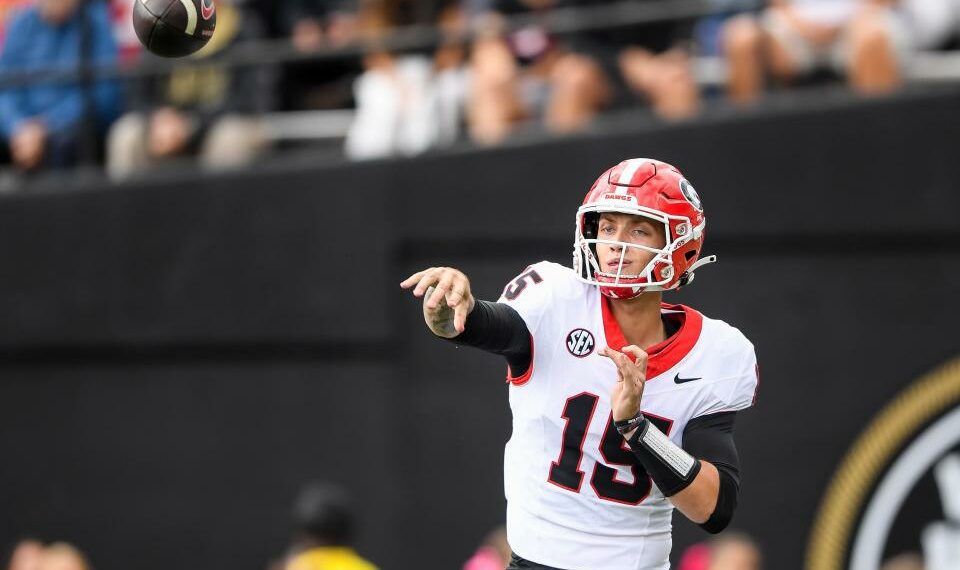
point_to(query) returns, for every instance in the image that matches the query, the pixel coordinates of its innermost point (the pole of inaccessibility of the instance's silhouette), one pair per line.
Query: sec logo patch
(580, 342)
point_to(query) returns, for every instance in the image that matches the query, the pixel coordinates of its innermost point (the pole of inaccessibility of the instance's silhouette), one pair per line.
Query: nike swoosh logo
(680, 380)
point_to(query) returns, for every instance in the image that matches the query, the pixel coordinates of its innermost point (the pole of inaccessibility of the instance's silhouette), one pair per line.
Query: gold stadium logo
(911, 435)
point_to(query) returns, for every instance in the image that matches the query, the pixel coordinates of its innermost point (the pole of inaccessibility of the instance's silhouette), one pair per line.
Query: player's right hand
(447, 299)
(631, 378)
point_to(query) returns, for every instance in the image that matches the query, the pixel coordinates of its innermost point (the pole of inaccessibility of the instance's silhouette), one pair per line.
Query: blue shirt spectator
(41, 123)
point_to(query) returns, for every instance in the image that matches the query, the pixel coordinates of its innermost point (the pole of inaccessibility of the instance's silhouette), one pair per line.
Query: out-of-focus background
(207, 361)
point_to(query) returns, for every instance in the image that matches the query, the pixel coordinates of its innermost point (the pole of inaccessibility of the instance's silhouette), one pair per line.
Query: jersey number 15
(565, 471)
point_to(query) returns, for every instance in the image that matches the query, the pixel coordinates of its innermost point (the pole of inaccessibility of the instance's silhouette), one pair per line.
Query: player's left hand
(631, 377)
(447, 299)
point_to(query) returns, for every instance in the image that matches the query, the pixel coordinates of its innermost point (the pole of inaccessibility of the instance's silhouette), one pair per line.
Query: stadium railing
(309, 125)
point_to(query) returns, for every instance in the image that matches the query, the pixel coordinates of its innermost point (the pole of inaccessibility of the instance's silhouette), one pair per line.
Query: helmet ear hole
(591, 221)
(690, 255)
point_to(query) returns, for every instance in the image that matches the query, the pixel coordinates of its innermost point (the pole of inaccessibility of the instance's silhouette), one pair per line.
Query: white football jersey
(577, 498)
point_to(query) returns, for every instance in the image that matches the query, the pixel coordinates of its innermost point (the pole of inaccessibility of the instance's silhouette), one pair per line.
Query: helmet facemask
(659, 272)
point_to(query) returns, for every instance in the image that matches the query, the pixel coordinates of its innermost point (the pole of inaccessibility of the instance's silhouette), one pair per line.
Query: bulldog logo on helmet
(690, 194)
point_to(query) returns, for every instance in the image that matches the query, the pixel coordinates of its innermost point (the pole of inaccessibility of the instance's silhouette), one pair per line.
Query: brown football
(174, 28)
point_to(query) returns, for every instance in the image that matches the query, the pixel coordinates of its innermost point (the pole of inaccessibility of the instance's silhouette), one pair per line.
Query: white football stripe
(191, 16)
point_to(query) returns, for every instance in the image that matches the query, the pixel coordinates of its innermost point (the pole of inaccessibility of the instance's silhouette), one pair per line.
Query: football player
(598, 459)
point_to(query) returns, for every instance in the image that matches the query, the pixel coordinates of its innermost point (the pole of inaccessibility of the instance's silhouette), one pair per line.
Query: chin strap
(687, 277)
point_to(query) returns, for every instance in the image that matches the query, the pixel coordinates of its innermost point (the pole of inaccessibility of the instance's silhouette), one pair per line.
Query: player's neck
(639, 319)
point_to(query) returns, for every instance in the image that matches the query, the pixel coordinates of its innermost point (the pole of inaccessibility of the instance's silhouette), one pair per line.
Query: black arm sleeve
(711, 438)
(498, 328)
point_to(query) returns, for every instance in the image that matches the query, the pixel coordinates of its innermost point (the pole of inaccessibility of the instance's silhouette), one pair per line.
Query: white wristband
(672, 455)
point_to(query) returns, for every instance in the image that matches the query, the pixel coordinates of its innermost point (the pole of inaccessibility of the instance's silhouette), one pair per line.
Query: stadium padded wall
(179, 358)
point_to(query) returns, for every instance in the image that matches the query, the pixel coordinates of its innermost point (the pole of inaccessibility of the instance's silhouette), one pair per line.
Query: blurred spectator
(26, 555)
(326, 527)
(527, 74)
(203, 108)
(729, 551)
(407, 103)
(864, 39)
(451, 78)
(62, 556)
(696, 557)
(530, 73)
(121, 14)
(495, 101)
(708, 31)
(312, 25)
(734, 551)
(43, 124)
(659, 69)
(907, 561)
(393, 111)
(493, 554)
(7, 9)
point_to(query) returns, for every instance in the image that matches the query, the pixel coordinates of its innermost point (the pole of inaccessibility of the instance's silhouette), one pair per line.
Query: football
(174, 28)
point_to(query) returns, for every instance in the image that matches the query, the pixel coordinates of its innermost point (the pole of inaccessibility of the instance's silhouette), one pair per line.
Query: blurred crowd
(325, 526)
(34, 555)
(476, 70)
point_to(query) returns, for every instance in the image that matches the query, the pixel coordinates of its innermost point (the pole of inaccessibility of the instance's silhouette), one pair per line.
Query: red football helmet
(655, 190)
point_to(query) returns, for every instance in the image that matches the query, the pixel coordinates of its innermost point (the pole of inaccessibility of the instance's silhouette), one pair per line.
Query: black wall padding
(179, 358)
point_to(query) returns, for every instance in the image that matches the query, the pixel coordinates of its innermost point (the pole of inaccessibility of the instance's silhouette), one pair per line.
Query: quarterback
(623, 406)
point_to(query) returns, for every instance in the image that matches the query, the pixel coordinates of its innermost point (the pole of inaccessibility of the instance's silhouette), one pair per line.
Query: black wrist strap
(670, 467)
(626, 426)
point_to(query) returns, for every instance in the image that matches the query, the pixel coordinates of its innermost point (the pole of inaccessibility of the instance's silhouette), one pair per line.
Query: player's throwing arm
(447, 299)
